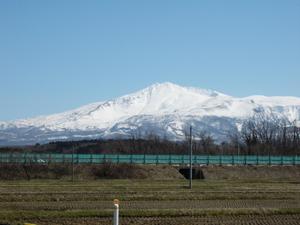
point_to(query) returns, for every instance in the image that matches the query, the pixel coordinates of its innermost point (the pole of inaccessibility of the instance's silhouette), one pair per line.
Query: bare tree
(268, 133)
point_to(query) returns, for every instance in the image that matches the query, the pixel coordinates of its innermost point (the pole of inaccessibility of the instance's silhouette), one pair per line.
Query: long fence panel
(46, 158)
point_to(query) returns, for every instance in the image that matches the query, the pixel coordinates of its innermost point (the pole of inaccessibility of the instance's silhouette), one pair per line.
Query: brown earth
(88, 171)
(208, 220)
(250, 172)
(154, 172)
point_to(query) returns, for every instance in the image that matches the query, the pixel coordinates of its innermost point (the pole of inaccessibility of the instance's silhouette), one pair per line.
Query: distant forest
(263, 134)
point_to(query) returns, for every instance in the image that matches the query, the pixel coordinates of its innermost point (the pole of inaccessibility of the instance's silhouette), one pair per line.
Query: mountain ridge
(162, 108)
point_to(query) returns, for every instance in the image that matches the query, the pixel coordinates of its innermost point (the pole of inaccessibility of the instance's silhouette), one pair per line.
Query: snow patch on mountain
(164, 109)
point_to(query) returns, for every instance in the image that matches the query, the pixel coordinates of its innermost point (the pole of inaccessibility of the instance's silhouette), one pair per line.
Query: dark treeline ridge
(263, 134)
(121, 146)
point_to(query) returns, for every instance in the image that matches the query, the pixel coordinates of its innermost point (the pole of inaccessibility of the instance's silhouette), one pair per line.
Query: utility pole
(191, 157)
(72, 163)
(238, 143)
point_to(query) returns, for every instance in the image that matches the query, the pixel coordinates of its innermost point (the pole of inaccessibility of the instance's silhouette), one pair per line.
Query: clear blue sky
(56, 55)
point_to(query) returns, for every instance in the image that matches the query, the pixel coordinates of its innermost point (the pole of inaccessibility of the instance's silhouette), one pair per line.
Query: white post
(116, 212)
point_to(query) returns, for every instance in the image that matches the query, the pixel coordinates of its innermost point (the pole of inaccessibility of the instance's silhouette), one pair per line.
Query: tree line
(262, 134)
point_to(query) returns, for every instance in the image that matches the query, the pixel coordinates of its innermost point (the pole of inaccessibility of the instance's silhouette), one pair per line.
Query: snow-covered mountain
(163, 109)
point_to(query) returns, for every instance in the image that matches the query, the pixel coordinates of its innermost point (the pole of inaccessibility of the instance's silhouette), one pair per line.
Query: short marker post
(116, 212)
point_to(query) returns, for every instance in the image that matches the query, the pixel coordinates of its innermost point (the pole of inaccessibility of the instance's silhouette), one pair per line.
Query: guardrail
(46, 158)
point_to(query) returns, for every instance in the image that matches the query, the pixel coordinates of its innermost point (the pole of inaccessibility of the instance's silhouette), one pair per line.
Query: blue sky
(56, 55)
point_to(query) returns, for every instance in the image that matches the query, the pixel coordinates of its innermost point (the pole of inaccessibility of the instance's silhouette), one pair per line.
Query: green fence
(148, 159)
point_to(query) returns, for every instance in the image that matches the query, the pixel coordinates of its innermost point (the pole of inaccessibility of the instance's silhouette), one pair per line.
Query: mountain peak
(163, 86)
(172, 87)
(162, 108)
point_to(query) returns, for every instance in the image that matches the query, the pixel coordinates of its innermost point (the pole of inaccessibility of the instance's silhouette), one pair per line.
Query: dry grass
(243, 196)
(150, 202)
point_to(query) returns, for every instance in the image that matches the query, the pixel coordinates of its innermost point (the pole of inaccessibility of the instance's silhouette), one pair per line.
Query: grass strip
(22, 215)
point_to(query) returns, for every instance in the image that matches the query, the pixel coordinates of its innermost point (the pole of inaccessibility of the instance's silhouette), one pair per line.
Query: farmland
(149, 202)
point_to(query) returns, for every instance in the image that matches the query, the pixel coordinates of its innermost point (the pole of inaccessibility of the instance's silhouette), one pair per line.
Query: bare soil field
(208, 220)
(251, 172)
(147, 201)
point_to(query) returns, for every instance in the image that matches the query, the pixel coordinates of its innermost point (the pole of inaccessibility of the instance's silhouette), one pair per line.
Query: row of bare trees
(262, 134)
(270, 134)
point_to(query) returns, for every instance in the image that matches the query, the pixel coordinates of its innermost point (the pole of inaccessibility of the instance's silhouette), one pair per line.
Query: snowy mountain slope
(164, 109)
